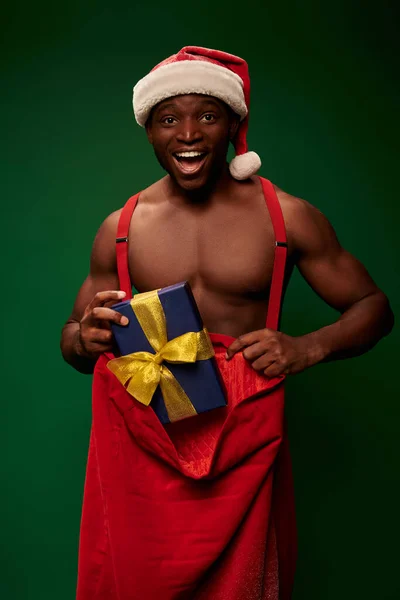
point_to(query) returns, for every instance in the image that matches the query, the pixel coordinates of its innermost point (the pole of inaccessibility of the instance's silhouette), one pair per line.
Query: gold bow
(141, 372)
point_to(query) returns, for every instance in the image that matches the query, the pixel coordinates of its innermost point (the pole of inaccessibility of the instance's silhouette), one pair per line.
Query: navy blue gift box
(201, 380)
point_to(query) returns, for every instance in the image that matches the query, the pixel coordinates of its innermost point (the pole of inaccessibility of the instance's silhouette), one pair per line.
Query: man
(203, 508)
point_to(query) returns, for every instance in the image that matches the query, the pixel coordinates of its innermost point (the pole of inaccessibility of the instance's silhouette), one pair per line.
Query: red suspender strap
(278, 273)
(121, 248)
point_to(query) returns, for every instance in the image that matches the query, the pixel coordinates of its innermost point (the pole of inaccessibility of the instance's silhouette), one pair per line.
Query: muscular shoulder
(103, 257)
(103, 251)
(308, 229)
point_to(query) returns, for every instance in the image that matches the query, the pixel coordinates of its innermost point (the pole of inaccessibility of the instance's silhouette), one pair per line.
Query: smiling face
(190, 135)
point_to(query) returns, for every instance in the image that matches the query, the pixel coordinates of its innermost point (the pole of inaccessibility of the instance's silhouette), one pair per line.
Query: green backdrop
(324, 111)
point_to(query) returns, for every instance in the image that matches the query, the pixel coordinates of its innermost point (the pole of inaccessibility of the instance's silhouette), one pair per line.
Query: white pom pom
(245, 165)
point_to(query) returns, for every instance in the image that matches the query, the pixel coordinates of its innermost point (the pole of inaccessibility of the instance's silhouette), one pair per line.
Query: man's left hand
(273, 352)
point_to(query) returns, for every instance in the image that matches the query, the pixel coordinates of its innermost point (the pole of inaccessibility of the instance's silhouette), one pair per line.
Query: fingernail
(121, 294)
(124, 321)
(226, 356)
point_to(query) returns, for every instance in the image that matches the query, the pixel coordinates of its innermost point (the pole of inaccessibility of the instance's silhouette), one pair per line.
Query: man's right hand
(95, 335)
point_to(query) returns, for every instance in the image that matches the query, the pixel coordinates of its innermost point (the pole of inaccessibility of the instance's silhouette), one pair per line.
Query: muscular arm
(343, 283)
(340, 280)
(102, 276)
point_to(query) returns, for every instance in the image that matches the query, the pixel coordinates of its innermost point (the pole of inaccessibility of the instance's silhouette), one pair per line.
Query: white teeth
(188, 154)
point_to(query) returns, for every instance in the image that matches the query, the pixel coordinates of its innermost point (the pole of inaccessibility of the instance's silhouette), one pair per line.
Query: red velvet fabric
(191, 510)
(200, 509)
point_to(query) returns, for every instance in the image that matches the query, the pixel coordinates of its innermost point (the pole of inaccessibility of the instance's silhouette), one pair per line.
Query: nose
(189, 131)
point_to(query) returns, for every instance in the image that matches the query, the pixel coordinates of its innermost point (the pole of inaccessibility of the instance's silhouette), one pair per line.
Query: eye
(208, 117)
(168, 120)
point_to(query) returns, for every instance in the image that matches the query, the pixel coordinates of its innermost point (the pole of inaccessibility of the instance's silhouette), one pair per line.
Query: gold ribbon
(141, 372)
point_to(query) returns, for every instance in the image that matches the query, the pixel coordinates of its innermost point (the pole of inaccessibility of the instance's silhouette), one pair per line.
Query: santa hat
(195, 70)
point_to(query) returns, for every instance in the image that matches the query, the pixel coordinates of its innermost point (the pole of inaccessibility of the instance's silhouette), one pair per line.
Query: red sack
(200, 509)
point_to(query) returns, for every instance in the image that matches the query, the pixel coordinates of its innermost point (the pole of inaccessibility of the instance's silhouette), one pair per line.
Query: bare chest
(227, 250)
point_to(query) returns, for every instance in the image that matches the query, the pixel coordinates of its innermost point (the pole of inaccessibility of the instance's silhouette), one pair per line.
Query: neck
(203, 195)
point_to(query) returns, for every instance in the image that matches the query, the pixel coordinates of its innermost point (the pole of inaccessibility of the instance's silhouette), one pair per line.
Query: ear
(149, 131)
(233, 126)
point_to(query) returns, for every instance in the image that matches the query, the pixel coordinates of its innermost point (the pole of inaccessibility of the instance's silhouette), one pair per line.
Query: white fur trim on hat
(244, 165)
(188, 77)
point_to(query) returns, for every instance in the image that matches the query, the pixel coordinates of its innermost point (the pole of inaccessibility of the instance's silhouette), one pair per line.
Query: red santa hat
(195, 70)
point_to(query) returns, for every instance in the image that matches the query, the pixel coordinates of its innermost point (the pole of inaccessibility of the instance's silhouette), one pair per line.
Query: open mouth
(190, 162)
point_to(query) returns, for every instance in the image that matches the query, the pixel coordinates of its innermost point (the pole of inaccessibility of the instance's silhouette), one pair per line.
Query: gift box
(167, 358)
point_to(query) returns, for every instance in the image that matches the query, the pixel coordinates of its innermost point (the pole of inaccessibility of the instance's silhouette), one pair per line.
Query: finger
(111, 303)
(275, 369)
(101, 297)
(103, 325)
(242, 341)
(255, 350)
(101, 336)
(93, 348)
(97, 349)
(100, 313)
(263, 362)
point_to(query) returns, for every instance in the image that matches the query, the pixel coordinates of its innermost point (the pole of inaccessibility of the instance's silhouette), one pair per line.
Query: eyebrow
(169, 105)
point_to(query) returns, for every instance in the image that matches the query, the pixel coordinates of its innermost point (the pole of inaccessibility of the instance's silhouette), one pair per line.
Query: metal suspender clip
(121, 239)
(283, 244)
